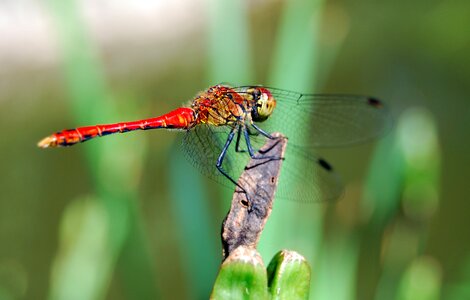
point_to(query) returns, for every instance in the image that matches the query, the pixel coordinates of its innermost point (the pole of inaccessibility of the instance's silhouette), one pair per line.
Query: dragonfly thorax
(220, 106)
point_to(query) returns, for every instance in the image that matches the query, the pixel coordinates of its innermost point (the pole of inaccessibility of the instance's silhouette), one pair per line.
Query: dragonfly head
(264, 103)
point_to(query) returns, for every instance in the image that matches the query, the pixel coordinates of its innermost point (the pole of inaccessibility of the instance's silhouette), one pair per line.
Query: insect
(224, 126)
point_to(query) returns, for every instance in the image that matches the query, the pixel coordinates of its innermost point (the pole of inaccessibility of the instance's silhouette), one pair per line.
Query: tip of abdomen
(50, 141)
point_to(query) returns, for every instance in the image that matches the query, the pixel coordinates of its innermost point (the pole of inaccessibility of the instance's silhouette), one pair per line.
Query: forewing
(327, 120)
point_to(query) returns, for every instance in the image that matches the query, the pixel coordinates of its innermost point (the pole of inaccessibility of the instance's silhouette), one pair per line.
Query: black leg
(250, 148)
(221, 157)
(237, 145)
(248, 142)
(262, 131)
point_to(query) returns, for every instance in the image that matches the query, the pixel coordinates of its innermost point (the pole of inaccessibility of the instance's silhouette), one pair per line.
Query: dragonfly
(224, 127)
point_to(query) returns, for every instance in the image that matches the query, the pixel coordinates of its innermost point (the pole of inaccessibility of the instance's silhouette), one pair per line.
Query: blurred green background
(125, 217)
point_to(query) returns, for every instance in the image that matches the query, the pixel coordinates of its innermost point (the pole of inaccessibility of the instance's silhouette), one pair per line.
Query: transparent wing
(314, 181)
(326, 120)
(202, 146)
(307, 178)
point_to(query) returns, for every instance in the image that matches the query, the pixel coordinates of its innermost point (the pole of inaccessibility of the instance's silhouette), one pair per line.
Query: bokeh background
(126, 217)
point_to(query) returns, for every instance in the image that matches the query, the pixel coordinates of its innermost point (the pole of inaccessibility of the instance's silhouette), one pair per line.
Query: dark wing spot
(324, 164)
(375, 102)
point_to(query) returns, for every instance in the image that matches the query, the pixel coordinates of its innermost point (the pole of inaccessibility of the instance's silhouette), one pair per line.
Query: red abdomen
(181, 118)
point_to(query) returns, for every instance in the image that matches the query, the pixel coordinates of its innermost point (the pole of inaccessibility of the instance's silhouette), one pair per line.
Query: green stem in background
(230, 54)
(200, 252)
(336, 269)
(378, 206)
(294, 64)
(406, 237)
(112, 166)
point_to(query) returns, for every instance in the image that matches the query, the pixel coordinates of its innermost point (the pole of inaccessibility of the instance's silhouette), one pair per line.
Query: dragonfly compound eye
(264, 105)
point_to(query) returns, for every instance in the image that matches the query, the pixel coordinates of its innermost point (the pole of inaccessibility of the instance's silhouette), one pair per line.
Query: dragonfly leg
(239, 134)
(262, 131)
(220, 160)
(250, 147)
(237, 145)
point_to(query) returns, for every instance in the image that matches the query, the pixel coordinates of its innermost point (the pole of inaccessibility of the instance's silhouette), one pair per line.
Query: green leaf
(241, 276)
(289, 276)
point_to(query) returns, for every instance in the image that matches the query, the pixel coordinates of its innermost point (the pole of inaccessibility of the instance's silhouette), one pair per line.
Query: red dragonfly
(221, 114)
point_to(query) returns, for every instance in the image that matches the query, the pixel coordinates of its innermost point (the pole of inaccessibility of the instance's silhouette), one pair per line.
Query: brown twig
(246, 219)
